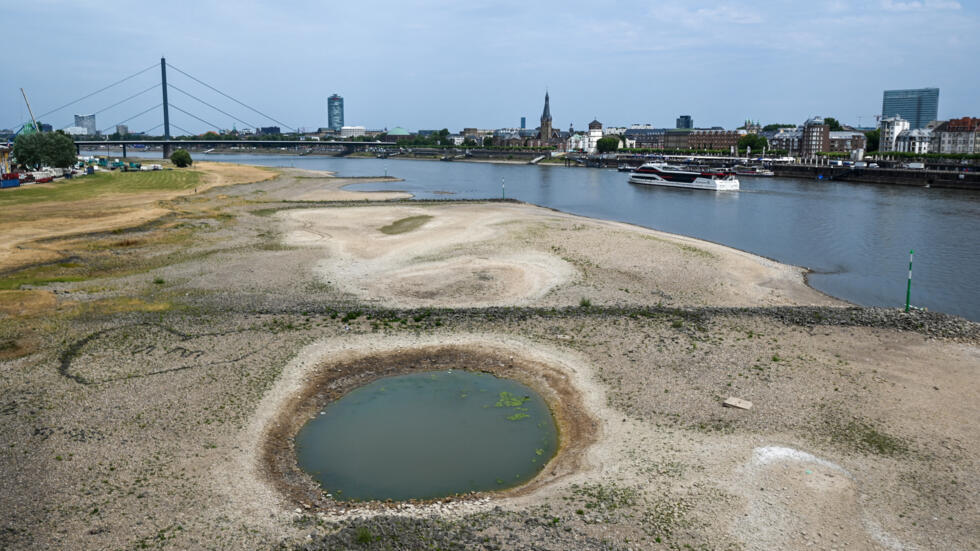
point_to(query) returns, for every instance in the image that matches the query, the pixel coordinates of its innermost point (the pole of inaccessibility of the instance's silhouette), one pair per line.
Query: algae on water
(510, 400)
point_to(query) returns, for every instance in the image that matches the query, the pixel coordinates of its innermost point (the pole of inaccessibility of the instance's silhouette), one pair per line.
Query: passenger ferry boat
(660, 174)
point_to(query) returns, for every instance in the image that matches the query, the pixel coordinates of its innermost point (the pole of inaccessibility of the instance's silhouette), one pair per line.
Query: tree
(181, 158)
(48, 148)
(755, 141)
(874, 139)
(28, 149)
(832, 123)
(488, 141)
(607, 144)
(58, 150)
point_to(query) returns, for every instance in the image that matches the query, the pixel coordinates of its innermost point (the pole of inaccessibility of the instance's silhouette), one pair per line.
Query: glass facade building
(685, 121)
(919, 106)
(87, 122)
(335, 112)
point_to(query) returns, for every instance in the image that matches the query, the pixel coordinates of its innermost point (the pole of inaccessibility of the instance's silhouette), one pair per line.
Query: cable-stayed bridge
(168, 142)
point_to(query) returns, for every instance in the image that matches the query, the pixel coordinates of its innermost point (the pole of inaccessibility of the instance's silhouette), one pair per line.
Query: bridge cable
(133, 117)
(211, 106)
(147, 131)
(196, 117)
(185, 131)
(229, 97)
(120, 102)
(134, 75)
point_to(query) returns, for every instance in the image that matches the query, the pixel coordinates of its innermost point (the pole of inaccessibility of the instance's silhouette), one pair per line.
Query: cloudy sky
(435, 64)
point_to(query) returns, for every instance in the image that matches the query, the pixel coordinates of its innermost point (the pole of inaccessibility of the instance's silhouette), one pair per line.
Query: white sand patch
(447, 261)
(771, 454)
(796, 500)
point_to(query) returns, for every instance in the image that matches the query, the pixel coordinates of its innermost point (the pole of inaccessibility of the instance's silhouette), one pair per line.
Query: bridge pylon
(166, 109)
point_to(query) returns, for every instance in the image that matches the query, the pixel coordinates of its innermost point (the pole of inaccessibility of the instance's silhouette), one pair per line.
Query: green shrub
(181, 158)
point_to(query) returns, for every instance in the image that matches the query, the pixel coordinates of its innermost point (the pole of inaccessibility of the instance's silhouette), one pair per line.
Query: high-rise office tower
(919, 106)
(335, 112)
(87, 122)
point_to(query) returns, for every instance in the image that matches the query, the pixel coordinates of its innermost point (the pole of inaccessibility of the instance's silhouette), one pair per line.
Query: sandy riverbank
(138, 397)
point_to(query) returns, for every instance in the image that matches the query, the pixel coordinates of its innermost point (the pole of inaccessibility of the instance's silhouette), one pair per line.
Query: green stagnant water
(428, 435)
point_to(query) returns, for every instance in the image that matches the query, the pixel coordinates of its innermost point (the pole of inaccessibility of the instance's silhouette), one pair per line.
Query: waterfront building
(677, 138)
(335, 112)
(268, 131)
(957, 136)
(847, 141)
(87, 122)
(918, 140)
(455, 139)
(523, 123)
(546, 132)
(122, 129)
(577, 142)
(476, 134)
(644, 137)
(352, 131)
(76, 131)
(685, 121)
(594, 135)
(786, 139)
(919, 106)
(508, 137)
(44, 127)
(397, 134)
(890, 128)
(714, 139)
(815, 138)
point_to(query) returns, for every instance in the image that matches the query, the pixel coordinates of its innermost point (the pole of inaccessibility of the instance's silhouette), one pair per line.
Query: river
(855, 238)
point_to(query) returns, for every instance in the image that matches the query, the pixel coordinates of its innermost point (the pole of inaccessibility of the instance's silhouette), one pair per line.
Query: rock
(733, 402)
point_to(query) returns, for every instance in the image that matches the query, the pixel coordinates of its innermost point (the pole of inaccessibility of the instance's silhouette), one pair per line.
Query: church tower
(546, 131)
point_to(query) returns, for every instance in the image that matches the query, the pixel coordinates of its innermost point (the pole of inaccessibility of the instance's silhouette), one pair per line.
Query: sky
(444, 64)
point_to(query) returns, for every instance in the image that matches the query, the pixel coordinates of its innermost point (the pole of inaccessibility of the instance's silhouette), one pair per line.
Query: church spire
(546, 115)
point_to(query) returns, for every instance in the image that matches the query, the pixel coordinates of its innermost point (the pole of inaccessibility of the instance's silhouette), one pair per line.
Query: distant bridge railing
(170, 145)
(263, 143)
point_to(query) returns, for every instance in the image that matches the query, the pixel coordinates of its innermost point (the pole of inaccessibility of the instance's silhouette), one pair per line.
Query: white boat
(753, 171)
(660, 174)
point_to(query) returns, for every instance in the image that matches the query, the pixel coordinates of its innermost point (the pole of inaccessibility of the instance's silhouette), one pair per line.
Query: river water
(854, 237)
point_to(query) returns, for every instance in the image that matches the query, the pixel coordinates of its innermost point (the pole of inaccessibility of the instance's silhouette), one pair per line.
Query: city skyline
(776, 64)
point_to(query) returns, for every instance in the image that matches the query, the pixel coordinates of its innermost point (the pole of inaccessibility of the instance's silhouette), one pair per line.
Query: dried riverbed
(147, 403)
